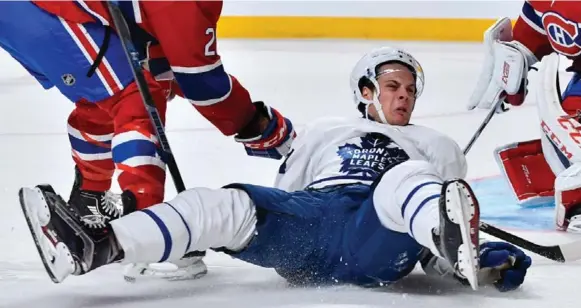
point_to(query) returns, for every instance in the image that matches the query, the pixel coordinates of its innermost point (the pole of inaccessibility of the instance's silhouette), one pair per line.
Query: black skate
(66, 246)
(457, 237)
(96, 208)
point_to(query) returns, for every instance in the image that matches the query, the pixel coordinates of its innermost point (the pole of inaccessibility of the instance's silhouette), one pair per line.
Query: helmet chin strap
(376, 103)
(375, 100)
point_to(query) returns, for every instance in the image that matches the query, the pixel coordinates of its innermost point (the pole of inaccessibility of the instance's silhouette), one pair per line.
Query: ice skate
(96, 208)
(457, 237)
(573, 220)
(66, 246)
(190, 267)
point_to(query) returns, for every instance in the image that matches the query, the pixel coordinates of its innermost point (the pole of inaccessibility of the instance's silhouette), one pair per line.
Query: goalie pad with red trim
(533, 182)
(527, 172)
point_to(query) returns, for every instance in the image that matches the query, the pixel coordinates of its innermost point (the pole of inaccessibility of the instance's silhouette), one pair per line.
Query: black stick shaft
(549, 252)
(133, 57)
(482, 127)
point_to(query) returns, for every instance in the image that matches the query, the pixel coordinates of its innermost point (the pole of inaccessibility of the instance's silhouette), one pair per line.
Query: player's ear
(367, 93)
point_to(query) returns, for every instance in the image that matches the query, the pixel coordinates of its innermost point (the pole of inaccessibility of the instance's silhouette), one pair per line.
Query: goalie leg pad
(527, 172)
(568, 199)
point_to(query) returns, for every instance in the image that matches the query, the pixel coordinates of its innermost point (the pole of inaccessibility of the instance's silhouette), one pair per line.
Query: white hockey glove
(505, 69)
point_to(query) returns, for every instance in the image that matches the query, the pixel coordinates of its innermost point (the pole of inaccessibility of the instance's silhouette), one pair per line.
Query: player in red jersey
(72, 45)
(184, 34)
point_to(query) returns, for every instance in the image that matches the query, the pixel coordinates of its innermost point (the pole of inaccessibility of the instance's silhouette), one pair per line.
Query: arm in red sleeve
(529, 30)
(186, 31)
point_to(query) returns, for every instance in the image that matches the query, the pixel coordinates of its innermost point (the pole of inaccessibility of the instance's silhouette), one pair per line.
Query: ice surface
(305, 80)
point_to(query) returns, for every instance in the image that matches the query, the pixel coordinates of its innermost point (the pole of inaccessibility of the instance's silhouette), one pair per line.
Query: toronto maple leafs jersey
(336, 151)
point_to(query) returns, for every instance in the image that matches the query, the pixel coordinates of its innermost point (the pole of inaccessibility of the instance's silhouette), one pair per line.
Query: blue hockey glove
(508, 262)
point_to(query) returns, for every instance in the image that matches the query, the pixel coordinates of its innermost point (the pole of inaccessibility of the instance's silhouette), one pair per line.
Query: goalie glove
(506, 65)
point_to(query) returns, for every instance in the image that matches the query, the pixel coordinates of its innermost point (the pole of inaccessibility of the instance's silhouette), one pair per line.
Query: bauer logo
(375, 154)
(563, 34)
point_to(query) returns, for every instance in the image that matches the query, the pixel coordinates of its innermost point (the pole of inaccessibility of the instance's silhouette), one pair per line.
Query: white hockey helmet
(366, 68)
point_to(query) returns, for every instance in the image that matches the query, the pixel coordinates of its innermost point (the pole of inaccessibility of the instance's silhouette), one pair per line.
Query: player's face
(396, 95)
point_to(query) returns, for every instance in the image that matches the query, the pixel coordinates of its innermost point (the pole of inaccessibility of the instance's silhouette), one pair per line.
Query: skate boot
(65, 244)
(96, 208)
(190, 267)
(457, 237)
(573, 219)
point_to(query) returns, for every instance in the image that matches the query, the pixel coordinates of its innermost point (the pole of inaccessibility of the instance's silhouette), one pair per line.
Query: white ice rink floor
(305, 80)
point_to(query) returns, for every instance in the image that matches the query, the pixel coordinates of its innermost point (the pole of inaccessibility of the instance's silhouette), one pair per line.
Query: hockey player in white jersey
(358, 200)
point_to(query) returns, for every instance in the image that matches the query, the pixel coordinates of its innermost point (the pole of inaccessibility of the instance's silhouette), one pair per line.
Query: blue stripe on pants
(164, 232)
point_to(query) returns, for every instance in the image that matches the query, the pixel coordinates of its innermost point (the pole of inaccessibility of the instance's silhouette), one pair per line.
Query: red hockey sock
(135, 148)
(90, 132)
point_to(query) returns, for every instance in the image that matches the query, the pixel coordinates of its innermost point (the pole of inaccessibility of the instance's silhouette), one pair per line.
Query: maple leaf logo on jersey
(563, 34)
(376, 154)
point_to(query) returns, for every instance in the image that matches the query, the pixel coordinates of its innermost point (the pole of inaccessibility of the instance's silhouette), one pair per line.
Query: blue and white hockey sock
(195, 220)
(407, 200)
(419, 198)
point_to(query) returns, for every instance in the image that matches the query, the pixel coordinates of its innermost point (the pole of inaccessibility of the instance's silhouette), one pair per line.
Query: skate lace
(112, 204)
(94, 221)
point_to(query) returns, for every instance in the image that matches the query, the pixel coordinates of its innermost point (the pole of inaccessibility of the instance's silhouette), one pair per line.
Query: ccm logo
(572, 128)
(556, 140)
(505, 72)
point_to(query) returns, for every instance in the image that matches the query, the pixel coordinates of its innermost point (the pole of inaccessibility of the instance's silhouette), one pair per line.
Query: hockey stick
(560, 253)
(133, 57)
(482, 126)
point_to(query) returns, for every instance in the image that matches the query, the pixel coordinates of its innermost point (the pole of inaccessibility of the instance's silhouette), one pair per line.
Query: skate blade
(459, 200)
(56, 256)
(167, 271)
